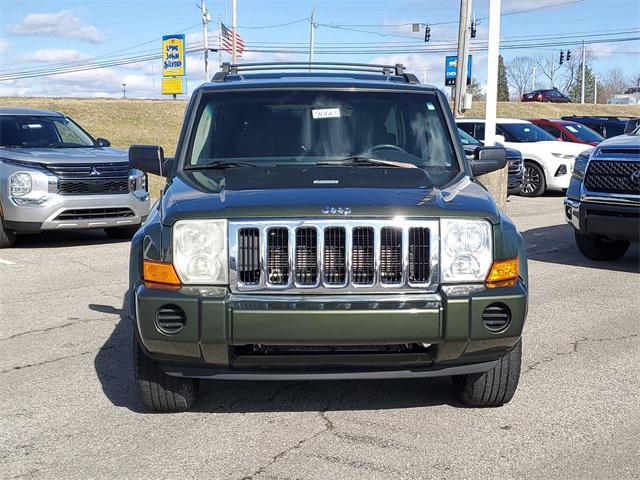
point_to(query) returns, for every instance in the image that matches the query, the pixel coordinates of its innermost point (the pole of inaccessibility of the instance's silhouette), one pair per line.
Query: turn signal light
(159, 272)
(503, 273)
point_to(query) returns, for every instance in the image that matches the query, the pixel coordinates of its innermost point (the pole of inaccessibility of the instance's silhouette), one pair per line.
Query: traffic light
(427, 33)
(561, 57)
(473, 29)
(568, 55)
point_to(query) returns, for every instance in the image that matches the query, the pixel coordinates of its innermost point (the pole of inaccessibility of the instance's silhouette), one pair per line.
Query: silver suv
(55, 176)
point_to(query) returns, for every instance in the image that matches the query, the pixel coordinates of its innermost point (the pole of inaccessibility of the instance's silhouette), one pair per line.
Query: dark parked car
(514, 161)
(324, 225)
(569, 131)
(606, 126)
(603, 199)
(550, 95)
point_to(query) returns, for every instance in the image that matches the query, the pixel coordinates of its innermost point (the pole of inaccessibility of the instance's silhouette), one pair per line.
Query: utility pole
(312, 34)
(234, 14)
(552, 69)
(462, 59)
(124, 90)
(424, 74)
(584, 57)
(205, 37)
(595, 89)
(533, 78)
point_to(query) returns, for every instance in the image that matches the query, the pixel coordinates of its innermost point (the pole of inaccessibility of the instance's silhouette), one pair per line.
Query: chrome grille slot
(362, 256)
(419, 255)
(278, 256)
(249, 256)
(390, 255)
(333, 254)
(307, 256)
(335, 268)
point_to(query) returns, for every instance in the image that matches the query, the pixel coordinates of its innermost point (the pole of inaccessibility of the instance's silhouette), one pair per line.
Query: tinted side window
(552, 130)
(467, 127)
(479, 131)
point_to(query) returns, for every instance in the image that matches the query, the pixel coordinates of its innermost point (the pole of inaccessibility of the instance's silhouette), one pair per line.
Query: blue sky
(36, 34)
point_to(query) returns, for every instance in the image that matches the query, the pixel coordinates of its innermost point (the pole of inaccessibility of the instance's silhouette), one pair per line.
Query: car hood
(51, 156)
(621, 141)
(567, 148)
(304, 191)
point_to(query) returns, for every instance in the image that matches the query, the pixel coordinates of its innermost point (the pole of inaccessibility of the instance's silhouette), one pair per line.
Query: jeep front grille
(317, 255)
(612, 176)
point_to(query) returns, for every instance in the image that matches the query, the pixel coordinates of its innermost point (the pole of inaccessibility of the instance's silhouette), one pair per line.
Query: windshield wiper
(221, 164)
(359, 160)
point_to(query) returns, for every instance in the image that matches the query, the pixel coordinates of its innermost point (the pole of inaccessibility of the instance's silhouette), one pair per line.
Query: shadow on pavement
(114, 368)
(71, 238)
(556, 244)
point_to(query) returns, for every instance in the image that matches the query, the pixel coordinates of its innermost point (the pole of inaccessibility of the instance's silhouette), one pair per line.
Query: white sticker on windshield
(31, 125)
(325, 113)
(430, 106)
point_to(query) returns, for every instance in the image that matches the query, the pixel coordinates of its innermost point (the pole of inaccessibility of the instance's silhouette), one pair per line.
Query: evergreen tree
(576, 89)
(503, 85)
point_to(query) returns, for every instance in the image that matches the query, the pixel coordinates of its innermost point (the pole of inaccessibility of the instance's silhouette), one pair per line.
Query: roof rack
(387, 70)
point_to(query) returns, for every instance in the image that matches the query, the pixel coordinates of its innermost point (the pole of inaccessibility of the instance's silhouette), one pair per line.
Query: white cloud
(59, 24)
(53, 55)
(4, 45)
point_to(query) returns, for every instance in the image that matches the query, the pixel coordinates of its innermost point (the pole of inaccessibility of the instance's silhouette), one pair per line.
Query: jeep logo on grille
(329, 210)
(635, 177)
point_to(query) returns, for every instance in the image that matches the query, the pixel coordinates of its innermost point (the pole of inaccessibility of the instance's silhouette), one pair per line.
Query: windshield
(312, 127)
(37, 132)
(467, 139)
(524, 132)
(583, 132)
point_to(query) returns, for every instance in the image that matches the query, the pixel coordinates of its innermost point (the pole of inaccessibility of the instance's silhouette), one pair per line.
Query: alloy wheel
(530, 180)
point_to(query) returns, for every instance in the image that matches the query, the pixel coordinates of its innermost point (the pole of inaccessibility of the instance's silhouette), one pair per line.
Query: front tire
(600, 248)
(7, 237)
(533, 181)
(121, 233)
(158, 391)
(495, 387)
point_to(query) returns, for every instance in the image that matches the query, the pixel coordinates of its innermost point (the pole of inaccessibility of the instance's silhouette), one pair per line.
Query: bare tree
(615, 81)
(635, 78)
(519, 74)
(549, 65)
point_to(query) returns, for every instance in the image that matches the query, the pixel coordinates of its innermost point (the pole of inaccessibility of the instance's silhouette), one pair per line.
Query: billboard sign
(173, 56)
(451, 63)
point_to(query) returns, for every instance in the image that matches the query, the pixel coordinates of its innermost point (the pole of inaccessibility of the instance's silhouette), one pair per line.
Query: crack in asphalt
(49, 329)
(54, 360)
(329, 426)
(574, 349)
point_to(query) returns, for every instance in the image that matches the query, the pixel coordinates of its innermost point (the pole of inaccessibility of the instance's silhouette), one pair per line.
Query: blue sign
(450, 66)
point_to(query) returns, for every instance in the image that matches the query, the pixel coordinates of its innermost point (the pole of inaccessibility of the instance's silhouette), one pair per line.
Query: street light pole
(312, 29)
(584, 57)
(205, 38)
(234, 6)
(533, 78)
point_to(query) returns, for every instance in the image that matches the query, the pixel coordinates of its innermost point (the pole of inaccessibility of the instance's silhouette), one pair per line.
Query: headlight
(200, 251)
(562, 155)
(580, 164)
(466, 247)
(21, 184)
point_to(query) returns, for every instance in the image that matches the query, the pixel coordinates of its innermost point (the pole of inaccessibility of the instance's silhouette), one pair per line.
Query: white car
(547, 161)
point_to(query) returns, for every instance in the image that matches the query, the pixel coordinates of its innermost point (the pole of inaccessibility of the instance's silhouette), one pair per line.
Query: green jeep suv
(321, 222)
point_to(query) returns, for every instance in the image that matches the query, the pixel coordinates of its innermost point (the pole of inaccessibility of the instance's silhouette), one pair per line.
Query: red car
(569, 131)
(550, 95)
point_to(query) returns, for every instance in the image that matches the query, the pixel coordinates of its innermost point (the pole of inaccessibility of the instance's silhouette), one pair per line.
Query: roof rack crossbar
(387, 70)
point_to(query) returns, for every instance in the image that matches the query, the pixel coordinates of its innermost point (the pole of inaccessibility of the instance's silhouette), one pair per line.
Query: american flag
(227, 41)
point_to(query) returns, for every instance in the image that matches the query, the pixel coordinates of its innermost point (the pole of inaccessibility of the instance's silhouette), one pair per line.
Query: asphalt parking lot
(69, 409)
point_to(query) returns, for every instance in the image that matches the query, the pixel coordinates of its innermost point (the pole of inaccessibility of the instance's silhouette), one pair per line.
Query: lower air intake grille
(249, 256)
(93, 214)
(496, 317)
(278, 256)
(335, 268)
(170, 319)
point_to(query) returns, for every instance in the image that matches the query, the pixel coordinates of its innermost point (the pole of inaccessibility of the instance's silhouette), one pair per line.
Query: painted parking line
(6, 262)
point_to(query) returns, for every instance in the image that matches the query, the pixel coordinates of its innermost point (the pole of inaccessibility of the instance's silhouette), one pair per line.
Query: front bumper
(89, 211)
(222, 331)
(604, 218)
(559, 178)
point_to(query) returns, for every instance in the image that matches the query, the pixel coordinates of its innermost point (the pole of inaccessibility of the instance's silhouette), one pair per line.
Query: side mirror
(488, 159)
(103, 142)
(631, 125)
(150, 159)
